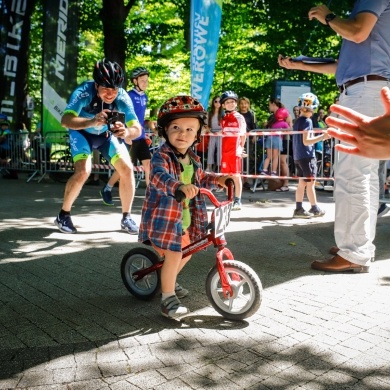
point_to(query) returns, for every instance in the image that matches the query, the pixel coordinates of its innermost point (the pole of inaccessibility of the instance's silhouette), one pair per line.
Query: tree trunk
(113, 16)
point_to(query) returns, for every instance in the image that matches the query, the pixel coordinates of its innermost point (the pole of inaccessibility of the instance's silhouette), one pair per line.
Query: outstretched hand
(367, 137)
(285, 62)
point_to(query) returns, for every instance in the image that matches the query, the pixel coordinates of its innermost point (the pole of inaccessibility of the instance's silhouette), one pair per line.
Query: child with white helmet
(304, 157)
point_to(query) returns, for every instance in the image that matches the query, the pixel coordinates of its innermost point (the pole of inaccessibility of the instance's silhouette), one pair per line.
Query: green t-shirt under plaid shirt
(186, 177)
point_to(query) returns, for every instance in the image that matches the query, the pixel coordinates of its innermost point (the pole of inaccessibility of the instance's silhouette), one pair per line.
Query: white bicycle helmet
(308, 100)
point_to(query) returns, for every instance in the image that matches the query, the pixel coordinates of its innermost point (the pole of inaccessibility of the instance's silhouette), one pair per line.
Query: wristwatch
(329, 18)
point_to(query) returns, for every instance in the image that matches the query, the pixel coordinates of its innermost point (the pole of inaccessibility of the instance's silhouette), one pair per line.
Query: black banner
(15, 26)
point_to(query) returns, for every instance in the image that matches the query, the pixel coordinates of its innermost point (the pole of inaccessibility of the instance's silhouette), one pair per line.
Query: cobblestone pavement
(68, 322)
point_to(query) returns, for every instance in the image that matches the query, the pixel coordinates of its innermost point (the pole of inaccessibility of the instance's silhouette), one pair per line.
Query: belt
(370, 77)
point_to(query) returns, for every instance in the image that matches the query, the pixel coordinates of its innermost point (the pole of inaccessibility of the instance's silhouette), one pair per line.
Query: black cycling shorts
(307, 167)
(140, 151)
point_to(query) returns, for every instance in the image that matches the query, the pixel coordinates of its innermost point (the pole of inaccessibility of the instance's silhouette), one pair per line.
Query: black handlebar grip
(179, 195)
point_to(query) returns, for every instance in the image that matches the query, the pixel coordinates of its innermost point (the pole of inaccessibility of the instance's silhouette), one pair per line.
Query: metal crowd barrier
(51, 155)
(19, 155)
(255, 154)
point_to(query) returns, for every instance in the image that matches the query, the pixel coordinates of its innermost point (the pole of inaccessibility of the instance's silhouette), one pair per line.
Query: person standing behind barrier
(214, 124)
(244, 108)
(5, 132)
(362, 69)
(86, 117)
(273, 143)
(295, 113)
(305, 159)
(273, 105)
(139, 149)
(233, 142)
(201, 149)
(319, 123)
(23, 141)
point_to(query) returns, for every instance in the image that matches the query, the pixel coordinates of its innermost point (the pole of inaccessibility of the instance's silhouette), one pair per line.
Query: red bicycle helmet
(281, 114)
(108, 74)
(182, 106)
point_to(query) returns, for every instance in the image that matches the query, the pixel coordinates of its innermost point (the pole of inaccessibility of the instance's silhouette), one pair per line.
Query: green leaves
(253, 33)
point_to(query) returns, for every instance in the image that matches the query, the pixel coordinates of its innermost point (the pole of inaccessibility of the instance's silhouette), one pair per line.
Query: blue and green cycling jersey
(84, 102)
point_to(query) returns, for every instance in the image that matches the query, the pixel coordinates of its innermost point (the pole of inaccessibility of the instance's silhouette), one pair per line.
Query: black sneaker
(383, 209)
(65, 224)
(106, 197)
(302, 213)
(317, 213)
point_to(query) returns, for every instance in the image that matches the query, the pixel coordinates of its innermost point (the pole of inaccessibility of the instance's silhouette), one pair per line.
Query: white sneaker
(236, 205)
(172, 308)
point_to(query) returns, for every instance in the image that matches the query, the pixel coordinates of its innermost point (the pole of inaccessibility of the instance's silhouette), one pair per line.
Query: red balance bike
(232, 287)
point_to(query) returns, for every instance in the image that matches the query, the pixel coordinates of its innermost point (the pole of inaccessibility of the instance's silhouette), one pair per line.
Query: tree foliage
(155, 34)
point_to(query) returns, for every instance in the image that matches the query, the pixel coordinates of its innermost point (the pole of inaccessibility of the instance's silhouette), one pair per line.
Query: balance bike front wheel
(135, 260)
(246, 286)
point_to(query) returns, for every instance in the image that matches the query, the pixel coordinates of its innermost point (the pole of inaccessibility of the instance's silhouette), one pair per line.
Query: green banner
(60, 53)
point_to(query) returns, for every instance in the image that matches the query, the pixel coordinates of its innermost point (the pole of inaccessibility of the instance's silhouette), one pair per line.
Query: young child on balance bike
(166, 224)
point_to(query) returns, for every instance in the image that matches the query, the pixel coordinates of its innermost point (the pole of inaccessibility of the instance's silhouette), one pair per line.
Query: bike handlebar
(180, 196)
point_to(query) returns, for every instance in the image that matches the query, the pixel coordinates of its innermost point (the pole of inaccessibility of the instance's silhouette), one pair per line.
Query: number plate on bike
(222, 219)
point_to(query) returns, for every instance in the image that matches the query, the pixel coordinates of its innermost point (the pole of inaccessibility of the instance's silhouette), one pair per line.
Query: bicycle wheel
(247, 291)
(137, 259)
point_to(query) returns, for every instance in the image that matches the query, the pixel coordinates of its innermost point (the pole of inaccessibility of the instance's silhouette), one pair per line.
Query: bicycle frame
(205, 241)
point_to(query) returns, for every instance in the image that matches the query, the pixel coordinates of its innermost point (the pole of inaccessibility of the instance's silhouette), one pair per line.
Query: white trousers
(356, 183)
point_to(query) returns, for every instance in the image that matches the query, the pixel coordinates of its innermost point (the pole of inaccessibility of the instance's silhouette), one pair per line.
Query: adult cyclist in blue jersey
(139, 149)
(86, 114)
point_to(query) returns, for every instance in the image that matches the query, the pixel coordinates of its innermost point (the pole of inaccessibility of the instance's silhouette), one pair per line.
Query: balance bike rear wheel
(134, 260)
(247, 291)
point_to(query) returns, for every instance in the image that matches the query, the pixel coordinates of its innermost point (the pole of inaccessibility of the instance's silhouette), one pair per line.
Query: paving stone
(68, 323)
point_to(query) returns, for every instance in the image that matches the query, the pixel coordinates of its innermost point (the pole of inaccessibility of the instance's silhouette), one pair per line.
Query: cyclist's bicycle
(232, 287)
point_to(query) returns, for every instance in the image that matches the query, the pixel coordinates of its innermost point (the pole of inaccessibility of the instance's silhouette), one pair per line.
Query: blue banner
(205, 26)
